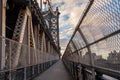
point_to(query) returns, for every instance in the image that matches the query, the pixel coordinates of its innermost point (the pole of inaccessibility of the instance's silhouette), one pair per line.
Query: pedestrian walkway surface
(56, 72)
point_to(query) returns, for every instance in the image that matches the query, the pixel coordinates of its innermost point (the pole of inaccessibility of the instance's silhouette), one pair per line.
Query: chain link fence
(27, 66)
(96, 40)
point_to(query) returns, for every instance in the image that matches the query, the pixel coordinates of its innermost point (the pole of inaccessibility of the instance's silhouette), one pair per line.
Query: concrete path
(56, 72)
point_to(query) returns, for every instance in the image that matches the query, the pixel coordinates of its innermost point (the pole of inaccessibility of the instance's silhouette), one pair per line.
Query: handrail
(101, 70)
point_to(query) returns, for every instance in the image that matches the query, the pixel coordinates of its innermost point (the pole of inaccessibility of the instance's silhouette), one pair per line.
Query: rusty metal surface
(26, 53)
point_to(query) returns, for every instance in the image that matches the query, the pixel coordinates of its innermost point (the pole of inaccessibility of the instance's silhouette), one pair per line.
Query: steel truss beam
(18, 36)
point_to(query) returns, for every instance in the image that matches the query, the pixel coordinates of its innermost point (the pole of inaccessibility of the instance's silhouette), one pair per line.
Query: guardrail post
(79, 76)
(83, 73)
(77, 72)
(2, 33)
(98, 76)
(25, 73)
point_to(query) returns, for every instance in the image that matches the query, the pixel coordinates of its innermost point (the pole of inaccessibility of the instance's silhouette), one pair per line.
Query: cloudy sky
(71, 11)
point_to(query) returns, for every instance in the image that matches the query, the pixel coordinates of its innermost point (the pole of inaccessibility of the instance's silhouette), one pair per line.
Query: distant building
(86, 58)
(96, 57)
(114, 57)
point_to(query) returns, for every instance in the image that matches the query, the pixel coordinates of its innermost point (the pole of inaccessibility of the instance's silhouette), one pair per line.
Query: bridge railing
(84, 72)
(95, 45)
(25, 66)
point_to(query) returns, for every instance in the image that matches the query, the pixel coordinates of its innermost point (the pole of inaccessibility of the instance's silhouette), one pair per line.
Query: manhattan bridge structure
(30, 48)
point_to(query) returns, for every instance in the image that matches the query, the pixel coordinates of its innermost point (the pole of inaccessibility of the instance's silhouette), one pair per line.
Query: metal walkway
(56, 72)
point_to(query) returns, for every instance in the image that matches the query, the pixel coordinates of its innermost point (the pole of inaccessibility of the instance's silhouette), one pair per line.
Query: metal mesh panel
(41, 57)
(102, 19)
(7, 54)
(68, 50)
(100, 29)
(72, 46)
(26, 64)
(107, 53)
(27, 55)
(32, 56)
(22, 58)
(38, 56)
(84, 56)
(78, 41)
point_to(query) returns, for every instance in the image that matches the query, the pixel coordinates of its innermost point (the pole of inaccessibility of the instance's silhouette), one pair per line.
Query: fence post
(83, 73)
(98, 76)
(2, 32)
